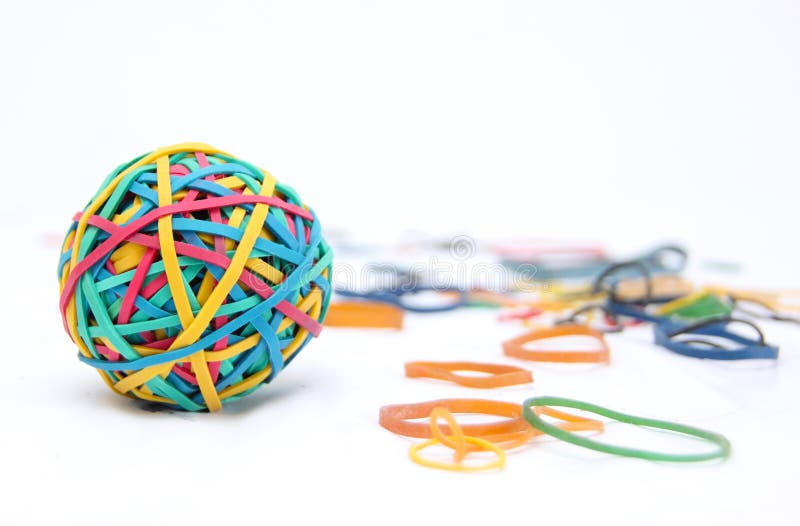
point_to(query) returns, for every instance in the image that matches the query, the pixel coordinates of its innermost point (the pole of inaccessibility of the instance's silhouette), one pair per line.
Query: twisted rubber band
(515, 346)
(569, 422)
(456, 439)
(461, 440)
(499, 375)
(722, 444)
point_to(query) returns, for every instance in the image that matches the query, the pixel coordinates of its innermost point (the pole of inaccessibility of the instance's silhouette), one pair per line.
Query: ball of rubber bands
(193, 277)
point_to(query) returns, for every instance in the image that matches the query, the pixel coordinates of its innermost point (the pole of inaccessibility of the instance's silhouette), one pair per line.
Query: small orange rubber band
(364, 314)
(499, 375)
(515, 347)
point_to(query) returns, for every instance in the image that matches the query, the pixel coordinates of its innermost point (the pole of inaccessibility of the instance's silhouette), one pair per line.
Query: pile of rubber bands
(610, 296)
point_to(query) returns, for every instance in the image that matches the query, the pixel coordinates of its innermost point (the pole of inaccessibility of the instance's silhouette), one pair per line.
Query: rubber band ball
(192, 278)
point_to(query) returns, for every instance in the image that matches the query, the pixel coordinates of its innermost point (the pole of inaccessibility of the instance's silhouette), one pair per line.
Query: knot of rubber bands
(458, 441)
(193, 277)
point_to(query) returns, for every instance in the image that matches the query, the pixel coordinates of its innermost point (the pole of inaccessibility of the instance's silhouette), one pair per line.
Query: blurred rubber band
(755, 308)
(705, 336)
(515, 347)
(455, 297)
(663, 287)
(611, 323)
(698, 305)
(364, 314)
(599, 284)
(486, 298)
(783, 300)
(656, 259)
(498, 375)
(722, 445)
(520, 314)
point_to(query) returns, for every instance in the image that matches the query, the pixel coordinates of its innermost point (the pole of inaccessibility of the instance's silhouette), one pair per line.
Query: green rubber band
(723, 445)
(706, 306)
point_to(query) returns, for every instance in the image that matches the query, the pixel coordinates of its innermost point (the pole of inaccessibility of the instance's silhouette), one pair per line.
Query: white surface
(622, 122)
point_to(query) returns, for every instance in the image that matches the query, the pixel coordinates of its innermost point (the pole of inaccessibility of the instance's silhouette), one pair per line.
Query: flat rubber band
(499, 375)
(723, 446)
(364, 314)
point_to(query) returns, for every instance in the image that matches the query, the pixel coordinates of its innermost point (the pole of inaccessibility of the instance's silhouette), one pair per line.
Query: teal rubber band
(723, 449)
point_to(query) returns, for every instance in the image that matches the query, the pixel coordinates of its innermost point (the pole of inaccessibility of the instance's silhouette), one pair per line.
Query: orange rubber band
(395, 418)
(506, 434)
(499, 375)
(364, 314)
(515, 347)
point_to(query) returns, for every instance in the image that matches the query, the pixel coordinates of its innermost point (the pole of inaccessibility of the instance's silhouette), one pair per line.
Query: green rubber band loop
(723, 449)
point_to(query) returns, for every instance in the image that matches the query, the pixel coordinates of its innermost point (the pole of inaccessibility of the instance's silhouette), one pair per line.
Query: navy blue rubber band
(750, 349)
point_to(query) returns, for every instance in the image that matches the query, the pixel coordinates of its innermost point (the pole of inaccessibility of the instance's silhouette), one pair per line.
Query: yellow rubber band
(498, 463)
(457, 441)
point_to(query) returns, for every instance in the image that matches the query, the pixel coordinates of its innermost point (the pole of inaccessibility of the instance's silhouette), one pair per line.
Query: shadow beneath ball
(259, 399)
(264, 397)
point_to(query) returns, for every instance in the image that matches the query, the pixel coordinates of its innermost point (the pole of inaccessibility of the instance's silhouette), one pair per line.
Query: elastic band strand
(499, 375)
(723, 446)
(516, 346)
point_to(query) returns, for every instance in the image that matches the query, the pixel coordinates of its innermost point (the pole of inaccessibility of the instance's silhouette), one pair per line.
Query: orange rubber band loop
(499, 375)
(515, 347)
(507, 434)
(457, 438)
(364, 314)
(395, 418)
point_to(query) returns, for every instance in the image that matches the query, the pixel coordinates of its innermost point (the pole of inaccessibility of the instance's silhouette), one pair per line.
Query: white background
(622, 122)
